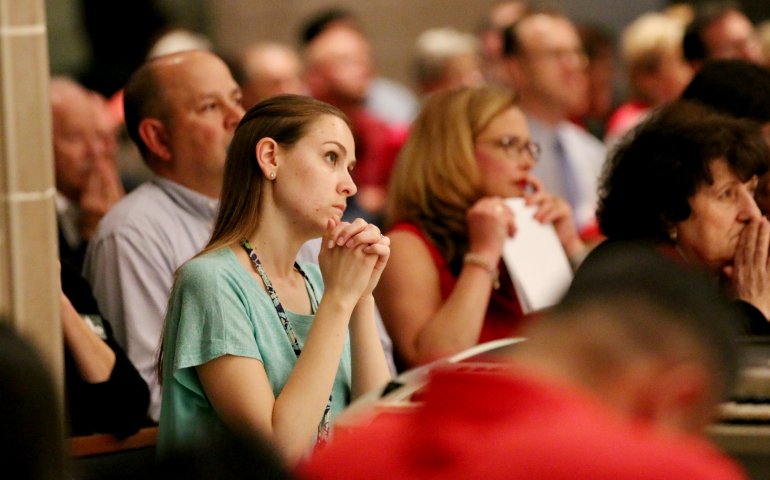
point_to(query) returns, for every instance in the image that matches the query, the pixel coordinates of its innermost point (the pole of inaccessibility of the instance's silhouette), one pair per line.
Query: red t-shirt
(508, 424)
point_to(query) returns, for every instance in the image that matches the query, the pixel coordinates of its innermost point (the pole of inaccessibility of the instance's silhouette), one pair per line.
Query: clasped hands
(490, 221)
(353, 255)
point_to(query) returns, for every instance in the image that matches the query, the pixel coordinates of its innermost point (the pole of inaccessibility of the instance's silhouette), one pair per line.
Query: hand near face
(364, 249)
(552, 209)
(103, 190)
(489, 222)
(749, 276)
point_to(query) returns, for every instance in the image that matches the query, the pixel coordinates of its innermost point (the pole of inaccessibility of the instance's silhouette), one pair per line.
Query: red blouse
(504, 316)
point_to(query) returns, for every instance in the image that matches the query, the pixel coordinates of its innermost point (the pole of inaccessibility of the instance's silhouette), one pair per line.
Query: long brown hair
(285, 119)
(436, 179)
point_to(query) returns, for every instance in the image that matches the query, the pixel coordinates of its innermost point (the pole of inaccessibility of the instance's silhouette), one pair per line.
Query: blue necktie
(569, 181)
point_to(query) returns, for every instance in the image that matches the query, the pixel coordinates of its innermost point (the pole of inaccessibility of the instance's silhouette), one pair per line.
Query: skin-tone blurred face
(667, 81)
(107, 126)
(719, 214)
(732, 36)
(313, 178)
(550, 72)
(271, 70)
(463, 71)
(76, 140)
(340, 66)
(203, 107)
(502, 155)
(673, 75)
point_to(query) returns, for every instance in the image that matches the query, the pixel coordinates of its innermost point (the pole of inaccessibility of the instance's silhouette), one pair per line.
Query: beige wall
(392, 25)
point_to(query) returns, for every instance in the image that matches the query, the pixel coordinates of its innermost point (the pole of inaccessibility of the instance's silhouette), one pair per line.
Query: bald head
(181, 110)
(270, 69)
(76, 135)
(149, 91)
(62, 89)
(642, 333)
(506, 13)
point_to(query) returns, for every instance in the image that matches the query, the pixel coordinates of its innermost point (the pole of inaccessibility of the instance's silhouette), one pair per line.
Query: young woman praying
(254, 342)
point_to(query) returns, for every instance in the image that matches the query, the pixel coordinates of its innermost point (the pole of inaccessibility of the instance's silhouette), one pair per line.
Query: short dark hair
(321, 21)
(652, 298)
(143, 97)
(598, 41)
(735, 87)
(648, 180)
(511, 40)
(693, 45)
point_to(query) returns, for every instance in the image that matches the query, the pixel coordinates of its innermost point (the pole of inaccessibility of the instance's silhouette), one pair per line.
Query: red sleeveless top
(504, 316)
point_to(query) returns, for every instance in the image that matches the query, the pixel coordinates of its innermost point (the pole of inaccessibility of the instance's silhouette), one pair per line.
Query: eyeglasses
(561, 55)
(513, 148)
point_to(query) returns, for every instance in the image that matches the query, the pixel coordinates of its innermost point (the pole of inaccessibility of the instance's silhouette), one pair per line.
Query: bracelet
(481, 261)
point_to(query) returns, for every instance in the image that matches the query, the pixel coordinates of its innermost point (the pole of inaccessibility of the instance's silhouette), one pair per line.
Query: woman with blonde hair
(657, 70)
(242, 311)
(444, 290)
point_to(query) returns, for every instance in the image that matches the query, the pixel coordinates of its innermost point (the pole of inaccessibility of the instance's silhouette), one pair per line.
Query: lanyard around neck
(323, 427)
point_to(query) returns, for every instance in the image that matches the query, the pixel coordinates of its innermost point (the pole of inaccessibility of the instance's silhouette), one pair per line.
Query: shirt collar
(63, 203)
(189, 200)
(542, 129)
(67, 215)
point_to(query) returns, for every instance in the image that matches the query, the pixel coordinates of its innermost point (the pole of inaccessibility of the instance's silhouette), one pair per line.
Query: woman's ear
(267, 152)
(154, 135)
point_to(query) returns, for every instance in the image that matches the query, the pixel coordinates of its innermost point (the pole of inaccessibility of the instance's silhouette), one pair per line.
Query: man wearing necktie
(546, 63)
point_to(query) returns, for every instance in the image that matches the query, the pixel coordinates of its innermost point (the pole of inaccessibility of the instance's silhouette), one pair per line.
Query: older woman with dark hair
(686, 180)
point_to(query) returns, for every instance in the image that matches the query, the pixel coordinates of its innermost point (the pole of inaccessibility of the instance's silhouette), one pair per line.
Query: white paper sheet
(535, 259)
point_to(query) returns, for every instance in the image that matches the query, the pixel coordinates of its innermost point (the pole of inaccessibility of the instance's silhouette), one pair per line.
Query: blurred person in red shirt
(617, 381)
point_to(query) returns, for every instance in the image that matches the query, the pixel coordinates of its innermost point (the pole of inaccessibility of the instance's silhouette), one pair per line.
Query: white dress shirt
(131, 260)
(584, 153)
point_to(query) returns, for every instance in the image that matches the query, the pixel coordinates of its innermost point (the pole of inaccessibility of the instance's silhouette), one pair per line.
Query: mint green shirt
(217, 308)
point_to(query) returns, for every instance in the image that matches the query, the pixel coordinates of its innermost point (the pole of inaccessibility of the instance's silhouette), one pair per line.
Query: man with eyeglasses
(547, 67)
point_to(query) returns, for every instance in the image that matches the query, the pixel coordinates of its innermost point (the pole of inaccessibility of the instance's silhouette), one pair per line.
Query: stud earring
(272, 175)
(672, 235)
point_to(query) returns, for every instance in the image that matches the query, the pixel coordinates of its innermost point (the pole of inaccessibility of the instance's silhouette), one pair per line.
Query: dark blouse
(117, 406)
(750, 320)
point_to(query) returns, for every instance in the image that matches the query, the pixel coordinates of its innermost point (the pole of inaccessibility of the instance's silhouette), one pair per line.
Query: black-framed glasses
(514, 148)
